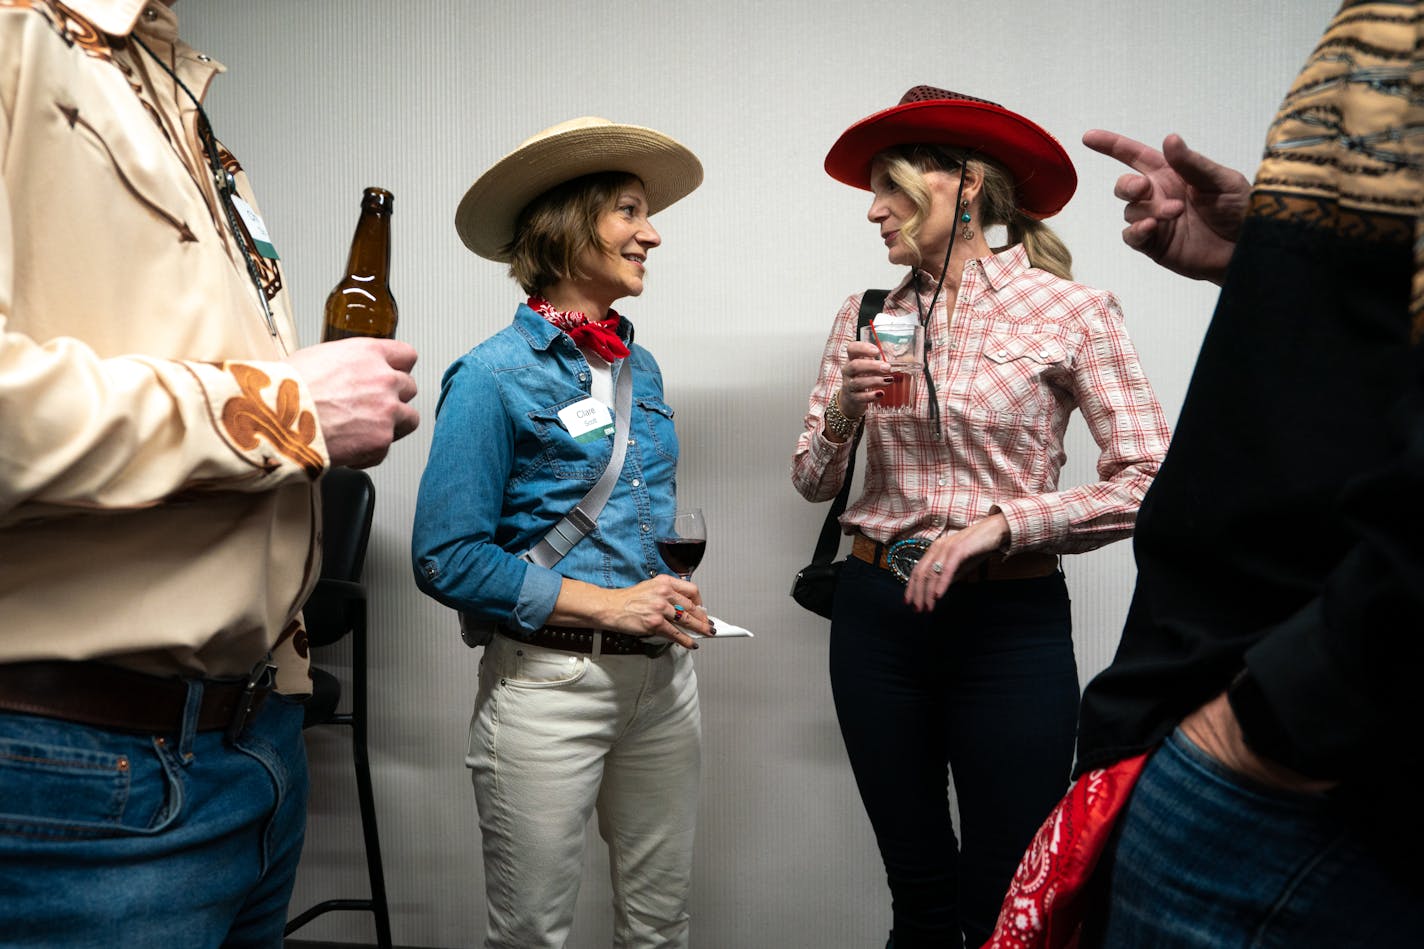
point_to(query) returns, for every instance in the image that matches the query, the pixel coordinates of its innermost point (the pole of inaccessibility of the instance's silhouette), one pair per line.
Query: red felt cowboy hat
(1043, 174)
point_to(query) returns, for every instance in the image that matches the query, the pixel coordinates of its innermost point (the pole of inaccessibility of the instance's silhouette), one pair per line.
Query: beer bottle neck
(371, 247)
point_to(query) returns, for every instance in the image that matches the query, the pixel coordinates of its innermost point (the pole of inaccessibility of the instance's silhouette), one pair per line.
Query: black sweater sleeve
(1331, 691)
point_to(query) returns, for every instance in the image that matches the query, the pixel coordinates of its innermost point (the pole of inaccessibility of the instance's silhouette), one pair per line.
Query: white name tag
(256, 228)
(587, 420)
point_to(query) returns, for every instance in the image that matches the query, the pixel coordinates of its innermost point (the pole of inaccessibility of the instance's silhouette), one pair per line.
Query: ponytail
(1046, 250)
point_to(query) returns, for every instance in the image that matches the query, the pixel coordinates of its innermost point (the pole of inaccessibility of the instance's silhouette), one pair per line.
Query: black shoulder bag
(815, 584)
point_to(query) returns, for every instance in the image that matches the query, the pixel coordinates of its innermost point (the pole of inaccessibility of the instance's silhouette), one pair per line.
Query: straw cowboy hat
(1043, 174)
(489, 211)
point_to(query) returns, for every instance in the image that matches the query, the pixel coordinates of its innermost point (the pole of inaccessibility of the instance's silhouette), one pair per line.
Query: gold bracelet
(838, 423)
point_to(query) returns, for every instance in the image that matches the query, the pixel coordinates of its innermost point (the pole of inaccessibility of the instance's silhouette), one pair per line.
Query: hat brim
(490, 209)
(1043, 173)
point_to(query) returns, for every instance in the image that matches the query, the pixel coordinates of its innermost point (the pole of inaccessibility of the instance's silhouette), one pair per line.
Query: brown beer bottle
(361, 304)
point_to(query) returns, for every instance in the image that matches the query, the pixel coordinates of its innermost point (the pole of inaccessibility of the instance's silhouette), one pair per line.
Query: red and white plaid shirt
(1021, 351)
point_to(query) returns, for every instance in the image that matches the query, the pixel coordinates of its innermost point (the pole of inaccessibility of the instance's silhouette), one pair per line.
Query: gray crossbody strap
(577, 523)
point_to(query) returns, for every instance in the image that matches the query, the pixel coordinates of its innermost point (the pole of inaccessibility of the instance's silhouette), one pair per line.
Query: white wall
(419, 96)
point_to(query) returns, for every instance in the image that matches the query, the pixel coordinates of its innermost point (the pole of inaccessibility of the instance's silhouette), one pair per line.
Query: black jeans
(985, 685)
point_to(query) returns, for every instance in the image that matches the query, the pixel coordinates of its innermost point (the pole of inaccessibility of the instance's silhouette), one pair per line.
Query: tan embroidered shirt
(157, 459)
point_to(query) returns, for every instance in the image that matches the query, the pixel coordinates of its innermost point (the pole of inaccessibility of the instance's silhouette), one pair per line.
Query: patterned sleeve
(86, 433)
(1122, 413)
(819, 464)
(81, 432)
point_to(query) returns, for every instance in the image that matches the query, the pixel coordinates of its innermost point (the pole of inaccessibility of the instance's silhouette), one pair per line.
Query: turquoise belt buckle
(904, 554)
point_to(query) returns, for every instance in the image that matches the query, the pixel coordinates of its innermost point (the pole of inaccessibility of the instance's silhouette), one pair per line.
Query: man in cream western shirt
(161, 441)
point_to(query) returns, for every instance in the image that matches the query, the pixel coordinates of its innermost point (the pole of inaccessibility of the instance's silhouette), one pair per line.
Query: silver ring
(937, 567)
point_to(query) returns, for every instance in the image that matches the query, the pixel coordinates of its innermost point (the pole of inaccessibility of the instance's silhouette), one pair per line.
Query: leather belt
(1025, 566)
(580, 639)
(105, 696)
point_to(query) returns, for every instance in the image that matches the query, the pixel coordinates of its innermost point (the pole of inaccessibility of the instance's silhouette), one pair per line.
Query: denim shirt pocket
(564, 457)
(655, 417)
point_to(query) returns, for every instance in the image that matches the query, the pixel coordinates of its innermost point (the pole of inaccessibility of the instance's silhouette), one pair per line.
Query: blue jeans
(115, 839)
(985, 686)
(1205, 858)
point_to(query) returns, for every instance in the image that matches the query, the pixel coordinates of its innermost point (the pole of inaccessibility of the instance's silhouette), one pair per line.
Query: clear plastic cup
(902, 344)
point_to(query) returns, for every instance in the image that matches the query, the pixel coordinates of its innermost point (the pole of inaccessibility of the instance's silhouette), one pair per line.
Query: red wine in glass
(682, 555)
(682, 540)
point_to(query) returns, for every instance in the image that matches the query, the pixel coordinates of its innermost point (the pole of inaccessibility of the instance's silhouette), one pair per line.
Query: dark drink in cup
(900, 393)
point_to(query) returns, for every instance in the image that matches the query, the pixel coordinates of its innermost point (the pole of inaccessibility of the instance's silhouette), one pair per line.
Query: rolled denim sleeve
(455, 543)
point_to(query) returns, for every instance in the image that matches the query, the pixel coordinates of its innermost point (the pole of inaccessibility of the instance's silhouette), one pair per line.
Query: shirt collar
(1005, 266)
(537, 331)
(117, 17)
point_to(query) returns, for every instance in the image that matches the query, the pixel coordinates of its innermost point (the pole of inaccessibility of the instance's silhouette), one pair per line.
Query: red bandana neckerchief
(1050, 891)
(599, 335)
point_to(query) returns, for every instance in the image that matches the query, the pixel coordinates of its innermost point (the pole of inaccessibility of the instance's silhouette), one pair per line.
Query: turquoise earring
(968, 232)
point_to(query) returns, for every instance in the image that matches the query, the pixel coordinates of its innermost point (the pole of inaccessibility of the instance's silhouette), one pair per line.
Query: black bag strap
(829, 543)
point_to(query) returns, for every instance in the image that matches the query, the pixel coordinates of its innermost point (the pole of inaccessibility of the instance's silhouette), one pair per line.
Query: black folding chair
(336, 609)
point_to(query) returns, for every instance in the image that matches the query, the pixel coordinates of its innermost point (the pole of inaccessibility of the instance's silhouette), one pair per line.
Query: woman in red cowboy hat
(587, 695)
(961, 661)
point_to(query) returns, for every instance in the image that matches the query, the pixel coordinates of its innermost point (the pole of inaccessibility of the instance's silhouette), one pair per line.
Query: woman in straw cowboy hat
(587, 696)
(962, 659)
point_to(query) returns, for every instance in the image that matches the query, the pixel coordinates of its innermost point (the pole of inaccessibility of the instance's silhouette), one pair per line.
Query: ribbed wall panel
(328, 96)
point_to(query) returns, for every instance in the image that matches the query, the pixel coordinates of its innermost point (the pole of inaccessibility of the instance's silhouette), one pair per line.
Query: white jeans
(555, 734)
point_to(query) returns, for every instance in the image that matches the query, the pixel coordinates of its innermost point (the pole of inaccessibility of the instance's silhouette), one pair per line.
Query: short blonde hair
(560, 226)
(906, 166)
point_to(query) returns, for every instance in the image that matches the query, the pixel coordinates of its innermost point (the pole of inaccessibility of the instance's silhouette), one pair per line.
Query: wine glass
(682, 540)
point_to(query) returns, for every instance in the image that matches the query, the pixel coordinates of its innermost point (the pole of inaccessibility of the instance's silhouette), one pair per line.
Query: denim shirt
(503, 470)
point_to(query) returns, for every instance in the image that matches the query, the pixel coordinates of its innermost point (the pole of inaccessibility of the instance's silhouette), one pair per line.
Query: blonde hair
(906, 166)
